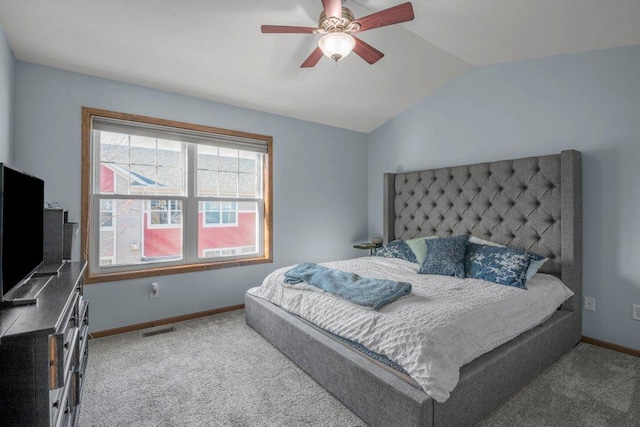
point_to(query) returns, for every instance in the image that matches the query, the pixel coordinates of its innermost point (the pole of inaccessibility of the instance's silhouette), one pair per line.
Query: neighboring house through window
(172, 197)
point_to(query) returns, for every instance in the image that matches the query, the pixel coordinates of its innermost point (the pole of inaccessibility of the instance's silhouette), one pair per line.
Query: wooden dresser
(43, 352)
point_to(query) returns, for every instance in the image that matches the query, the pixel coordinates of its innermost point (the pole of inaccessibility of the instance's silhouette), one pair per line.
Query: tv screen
(21, 226)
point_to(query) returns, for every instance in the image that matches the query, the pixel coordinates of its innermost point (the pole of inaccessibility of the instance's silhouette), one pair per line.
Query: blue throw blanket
(368, 292)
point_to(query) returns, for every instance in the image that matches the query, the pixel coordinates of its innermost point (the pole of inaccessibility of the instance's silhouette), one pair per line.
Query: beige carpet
(217, 371)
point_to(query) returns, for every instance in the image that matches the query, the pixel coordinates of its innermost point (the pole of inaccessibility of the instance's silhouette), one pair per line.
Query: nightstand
(368, 245)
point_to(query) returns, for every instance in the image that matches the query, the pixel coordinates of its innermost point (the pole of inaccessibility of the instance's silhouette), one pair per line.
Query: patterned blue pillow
(536, 263)
(445, 256)
(497, 264)
(396, 249)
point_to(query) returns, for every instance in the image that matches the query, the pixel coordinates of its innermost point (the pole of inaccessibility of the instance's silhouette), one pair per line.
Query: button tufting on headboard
(513, 202)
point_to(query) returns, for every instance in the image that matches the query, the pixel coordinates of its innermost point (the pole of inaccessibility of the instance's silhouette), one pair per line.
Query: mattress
(443, 324)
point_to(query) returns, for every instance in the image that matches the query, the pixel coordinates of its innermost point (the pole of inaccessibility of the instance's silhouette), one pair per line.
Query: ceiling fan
(337, 24)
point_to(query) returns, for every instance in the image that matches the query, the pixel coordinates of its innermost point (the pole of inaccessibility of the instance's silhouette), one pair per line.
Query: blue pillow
(497, 264)
(536, 263)
(396, 249)
(445, 256)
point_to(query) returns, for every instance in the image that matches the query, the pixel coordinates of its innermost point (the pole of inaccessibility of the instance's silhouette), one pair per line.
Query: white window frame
(190, 260)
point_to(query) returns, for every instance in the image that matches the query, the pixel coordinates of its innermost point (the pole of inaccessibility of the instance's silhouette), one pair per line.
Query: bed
(533, 204)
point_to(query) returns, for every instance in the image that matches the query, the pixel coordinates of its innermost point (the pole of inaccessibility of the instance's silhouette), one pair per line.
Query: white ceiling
(213, 49)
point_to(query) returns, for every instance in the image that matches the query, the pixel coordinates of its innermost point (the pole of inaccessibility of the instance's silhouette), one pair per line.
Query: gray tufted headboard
(533, 203)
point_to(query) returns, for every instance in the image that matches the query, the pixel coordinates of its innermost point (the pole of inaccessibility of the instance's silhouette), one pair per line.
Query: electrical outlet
(636, 312)
(154, 290)
(590, 303)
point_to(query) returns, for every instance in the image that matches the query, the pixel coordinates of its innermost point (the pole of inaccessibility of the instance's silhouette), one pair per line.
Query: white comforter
(443, 324)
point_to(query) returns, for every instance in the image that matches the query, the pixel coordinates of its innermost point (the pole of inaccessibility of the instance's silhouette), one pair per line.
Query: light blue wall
(320, 182)
(7, 71)
(589, 102)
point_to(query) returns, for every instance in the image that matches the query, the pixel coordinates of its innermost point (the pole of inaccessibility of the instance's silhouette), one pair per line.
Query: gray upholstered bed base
(382, 399)
(532, 203)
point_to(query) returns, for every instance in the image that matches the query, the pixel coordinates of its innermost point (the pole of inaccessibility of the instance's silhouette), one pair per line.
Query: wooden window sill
(176, 269)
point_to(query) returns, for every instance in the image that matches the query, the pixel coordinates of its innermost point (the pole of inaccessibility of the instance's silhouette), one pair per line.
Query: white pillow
(534, 265)
(419, 247)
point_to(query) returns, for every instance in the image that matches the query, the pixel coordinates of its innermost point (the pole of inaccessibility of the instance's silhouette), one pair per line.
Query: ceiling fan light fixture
(336, 45)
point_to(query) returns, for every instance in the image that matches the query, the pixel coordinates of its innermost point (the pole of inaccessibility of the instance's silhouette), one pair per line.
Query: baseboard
(160, 322)
(611, 346)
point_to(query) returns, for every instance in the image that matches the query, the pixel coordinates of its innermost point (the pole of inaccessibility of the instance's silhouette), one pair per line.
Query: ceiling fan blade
(367, 52)
(394, 15)
(313, 59)
(332, 8)
(283, 29)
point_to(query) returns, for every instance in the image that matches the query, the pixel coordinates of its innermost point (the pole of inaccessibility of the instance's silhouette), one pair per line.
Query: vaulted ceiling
(213, 49)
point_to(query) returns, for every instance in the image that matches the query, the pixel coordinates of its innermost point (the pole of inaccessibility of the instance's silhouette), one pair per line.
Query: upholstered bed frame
(533, 203)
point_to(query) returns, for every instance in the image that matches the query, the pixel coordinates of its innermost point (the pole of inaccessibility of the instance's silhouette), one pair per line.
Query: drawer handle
(66, 410)
(80, 338)
(55, 404)
(66, 345)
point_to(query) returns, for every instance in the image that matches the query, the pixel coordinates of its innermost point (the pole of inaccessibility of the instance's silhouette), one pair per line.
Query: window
(209, 253)
(106, 213)
(172, 197)
(220, 214)
(165, 213)
(106, 260)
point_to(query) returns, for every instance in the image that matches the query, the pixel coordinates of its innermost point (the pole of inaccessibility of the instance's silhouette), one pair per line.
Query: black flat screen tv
(21, 228)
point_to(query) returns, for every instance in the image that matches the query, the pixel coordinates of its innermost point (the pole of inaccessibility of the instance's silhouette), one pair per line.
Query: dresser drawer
(62, 345)
(65, 416)
(61, 408)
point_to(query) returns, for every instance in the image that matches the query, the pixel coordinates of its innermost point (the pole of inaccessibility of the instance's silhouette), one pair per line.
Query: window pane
(207, 183)
(131, 164)
(139, 235)
(106, 213)
(159, 218)
(169, 153)
(114, 147)
(170, 181)
(176, 217)
(248, 185)
(142, 149)
(228, 217)
(207, 157)
(212, 218)
(142, 179)
(228, 160)
(249, 161)
(228, 184)
(227, 229)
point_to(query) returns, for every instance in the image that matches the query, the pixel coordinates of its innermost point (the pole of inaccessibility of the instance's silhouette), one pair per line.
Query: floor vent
(158, 332)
